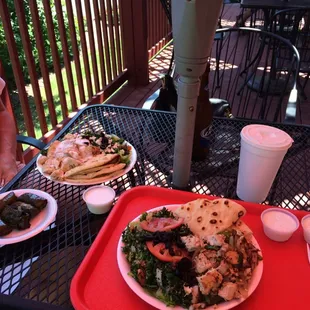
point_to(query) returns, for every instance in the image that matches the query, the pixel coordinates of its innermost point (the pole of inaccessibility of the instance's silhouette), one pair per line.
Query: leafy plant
(4, 54)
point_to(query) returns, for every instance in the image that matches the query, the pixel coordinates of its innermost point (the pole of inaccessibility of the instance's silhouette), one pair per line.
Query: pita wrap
(95, 162)
(103, 171)
(207, 217)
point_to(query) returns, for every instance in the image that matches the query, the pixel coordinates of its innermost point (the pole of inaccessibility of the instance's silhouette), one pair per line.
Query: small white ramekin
(306, 229)
(275, 234)
(106, 197)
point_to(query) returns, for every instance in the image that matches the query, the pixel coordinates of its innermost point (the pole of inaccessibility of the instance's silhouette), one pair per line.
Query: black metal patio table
(275, 4)
(40, 269)
(269, 7)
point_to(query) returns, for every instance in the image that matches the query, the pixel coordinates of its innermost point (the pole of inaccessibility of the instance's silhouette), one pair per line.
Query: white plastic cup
(262, 151)
(305, 223)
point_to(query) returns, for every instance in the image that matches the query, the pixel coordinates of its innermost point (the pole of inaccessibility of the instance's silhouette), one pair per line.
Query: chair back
(294, 25)
(247, 72)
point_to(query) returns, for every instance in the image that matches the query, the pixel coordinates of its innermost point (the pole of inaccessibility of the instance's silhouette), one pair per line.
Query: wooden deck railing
(159, 30)
(110, 41)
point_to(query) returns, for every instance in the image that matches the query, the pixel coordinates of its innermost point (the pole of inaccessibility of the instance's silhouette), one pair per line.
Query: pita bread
(99, 180)
(207, 217)
(103, 171)
(95, 169)
(95, 162)
(244, 228)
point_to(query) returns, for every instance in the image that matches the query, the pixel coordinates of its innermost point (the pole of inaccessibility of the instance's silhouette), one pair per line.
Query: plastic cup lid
(266, 137)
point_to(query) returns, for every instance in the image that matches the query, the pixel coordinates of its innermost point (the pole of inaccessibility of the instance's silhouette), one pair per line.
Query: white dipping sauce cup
(279, 225)
(305, 223)
(262, 151)
(99, 199)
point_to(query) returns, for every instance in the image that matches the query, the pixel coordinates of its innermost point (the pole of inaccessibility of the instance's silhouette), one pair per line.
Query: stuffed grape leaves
(7, 200)
(33, 199)
(4, 229)
(15, 217)
(16, 212)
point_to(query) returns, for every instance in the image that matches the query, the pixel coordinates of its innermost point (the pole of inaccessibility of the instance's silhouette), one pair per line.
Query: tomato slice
(161, 224)
(159, 251)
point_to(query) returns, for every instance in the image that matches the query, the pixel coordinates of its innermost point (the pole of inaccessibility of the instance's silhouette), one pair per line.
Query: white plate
(133, 159)
(124, 268)
(38, 223)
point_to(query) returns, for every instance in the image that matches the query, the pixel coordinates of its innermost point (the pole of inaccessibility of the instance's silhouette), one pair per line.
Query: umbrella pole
(194, 23)
(188, 90)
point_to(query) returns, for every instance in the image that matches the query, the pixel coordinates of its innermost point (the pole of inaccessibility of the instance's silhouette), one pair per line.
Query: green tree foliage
(4, 54)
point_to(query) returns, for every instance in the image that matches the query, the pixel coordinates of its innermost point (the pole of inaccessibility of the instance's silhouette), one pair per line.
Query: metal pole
(188, 90)
(194, 23)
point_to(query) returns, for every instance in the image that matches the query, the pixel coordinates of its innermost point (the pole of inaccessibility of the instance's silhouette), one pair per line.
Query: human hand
(8, 168)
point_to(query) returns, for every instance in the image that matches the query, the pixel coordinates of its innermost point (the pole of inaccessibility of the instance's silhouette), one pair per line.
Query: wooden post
(134, 28)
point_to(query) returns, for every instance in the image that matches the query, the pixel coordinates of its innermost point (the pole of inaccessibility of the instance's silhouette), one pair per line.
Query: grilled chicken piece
(225, 247)
(223, 268)
(216, 240)
(52, 149)
(204, 261)
(57, 175)
(70, 136)
(73, 153)
(69, 163)
(88, 151)
(50, 165)
(192, 243)
(194, 290)
(42, 160)
(248, 274)
(232, 257)
(209, 281)
(228, 290)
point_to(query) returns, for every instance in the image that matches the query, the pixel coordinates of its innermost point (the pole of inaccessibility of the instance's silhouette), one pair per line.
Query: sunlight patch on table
(154, 175)
(11, 275)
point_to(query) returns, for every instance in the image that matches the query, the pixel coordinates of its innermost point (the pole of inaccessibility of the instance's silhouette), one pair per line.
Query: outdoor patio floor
(136, 97)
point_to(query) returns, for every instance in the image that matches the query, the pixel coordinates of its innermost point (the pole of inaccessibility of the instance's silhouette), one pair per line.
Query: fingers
(7, 178)
(8, 170)
(1, 179)
(20, 166)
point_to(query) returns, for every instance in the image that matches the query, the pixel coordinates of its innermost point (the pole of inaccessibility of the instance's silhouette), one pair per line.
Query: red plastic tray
(98, 283)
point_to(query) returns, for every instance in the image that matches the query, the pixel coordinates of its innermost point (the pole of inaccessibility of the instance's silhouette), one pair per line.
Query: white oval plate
(124, 268)
(38, 223)
(133, 159)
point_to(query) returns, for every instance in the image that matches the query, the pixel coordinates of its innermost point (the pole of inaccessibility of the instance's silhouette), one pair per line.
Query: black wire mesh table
(41, 268)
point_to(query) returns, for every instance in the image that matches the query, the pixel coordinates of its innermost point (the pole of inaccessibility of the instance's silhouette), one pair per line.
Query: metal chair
(243, 72)
(294, 25)
(244, 75)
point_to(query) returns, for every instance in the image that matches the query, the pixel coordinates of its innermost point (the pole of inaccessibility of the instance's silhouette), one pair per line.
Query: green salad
(184, 269)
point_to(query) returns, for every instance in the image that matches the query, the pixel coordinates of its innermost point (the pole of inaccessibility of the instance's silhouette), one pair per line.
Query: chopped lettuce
(125, 159)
